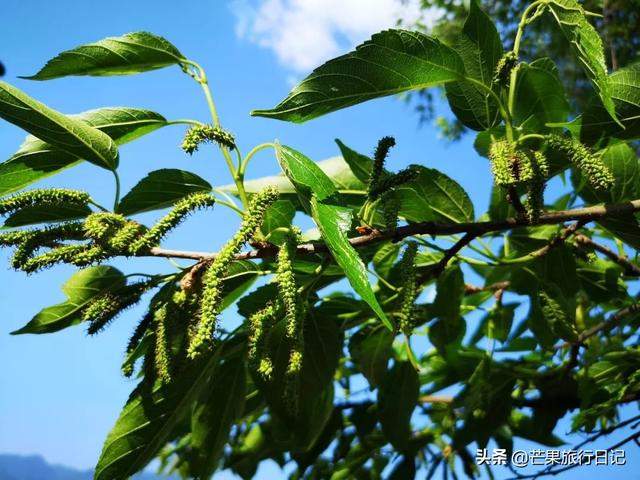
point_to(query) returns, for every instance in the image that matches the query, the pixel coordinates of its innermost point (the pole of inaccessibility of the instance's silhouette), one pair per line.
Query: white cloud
(305, 33)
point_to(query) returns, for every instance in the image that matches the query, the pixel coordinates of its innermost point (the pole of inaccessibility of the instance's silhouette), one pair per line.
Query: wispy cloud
(305, 33)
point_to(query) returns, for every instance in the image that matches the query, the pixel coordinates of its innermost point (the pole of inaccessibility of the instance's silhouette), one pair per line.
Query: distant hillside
(17, 467)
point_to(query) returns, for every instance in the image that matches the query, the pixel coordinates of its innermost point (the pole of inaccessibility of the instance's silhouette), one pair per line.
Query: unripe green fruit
(505, 66)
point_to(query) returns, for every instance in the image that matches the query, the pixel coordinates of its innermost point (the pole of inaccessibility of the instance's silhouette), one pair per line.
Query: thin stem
(116, 200)
(184, 121)
(249, 156)
(98, 206)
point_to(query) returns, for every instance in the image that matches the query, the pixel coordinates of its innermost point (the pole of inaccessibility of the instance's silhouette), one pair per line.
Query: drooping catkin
(379, 157)
(180, 211)
(200, 134)
(162, 354)
(560, 320)
(212, 280)
(259, 325)
(409, 291)
(27, 242)
(44, 197)
(293, 316)
(390, 210)
(106, 307)
(591, 166)
(101, 226)
(135, 339)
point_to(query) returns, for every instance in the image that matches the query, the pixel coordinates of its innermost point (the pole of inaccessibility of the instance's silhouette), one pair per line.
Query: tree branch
(631, 269)
(475, 229)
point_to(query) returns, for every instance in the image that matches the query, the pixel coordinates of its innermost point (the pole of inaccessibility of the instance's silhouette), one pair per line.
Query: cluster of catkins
(382, 187)
(100, 236)
(289, 306)
(514, 165)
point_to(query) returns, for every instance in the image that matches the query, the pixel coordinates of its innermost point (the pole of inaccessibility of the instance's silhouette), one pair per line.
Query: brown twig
(427, 228)
(631, 269)
(494, 287)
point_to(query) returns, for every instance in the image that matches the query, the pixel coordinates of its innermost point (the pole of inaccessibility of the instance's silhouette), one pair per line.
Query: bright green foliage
(534, 318)
(205, 329)
(200, 134)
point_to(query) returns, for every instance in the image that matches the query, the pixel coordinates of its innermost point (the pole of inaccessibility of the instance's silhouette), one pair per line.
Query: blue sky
(60, 393)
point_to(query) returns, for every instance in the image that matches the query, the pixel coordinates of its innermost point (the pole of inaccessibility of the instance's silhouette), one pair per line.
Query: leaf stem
(116, 200)
(243, 164)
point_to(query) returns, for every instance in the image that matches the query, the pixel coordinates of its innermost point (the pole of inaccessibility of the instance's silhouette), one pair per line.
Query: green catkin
(161, 356)
(409, 289)
(259, 324)
(134, 341)
(106, 307)
(29, 241)
(390, 210)
(535, 200)
(63, 254)
(212, 280)
(293, 317)
(377, 169)
(101, 226)
(505, 66)
(559, 320)
(511, 165)
(200, 134)
(535, 187)
(44, 197)
(591, 166)
(180, 211)
(393, 181)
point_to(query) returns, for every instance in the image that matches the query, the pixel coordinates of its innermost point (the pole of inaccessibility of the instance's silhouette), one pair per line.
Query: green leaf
(370, 349)
(68, 134)
(217, 408)
(83, 286)
(279, 215)
(397, 398)
(314, 186)
(586, 45)
(499, 321)
(48, 214)
(131, 53)
(392, 62)
(335, 168)
(625, 91)
(148, 420)
(539, 96)
(333, 221)
(433, 196)
(623, 163)
(480, 48)
(36, 159)
(161, 189)
(359, 164)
